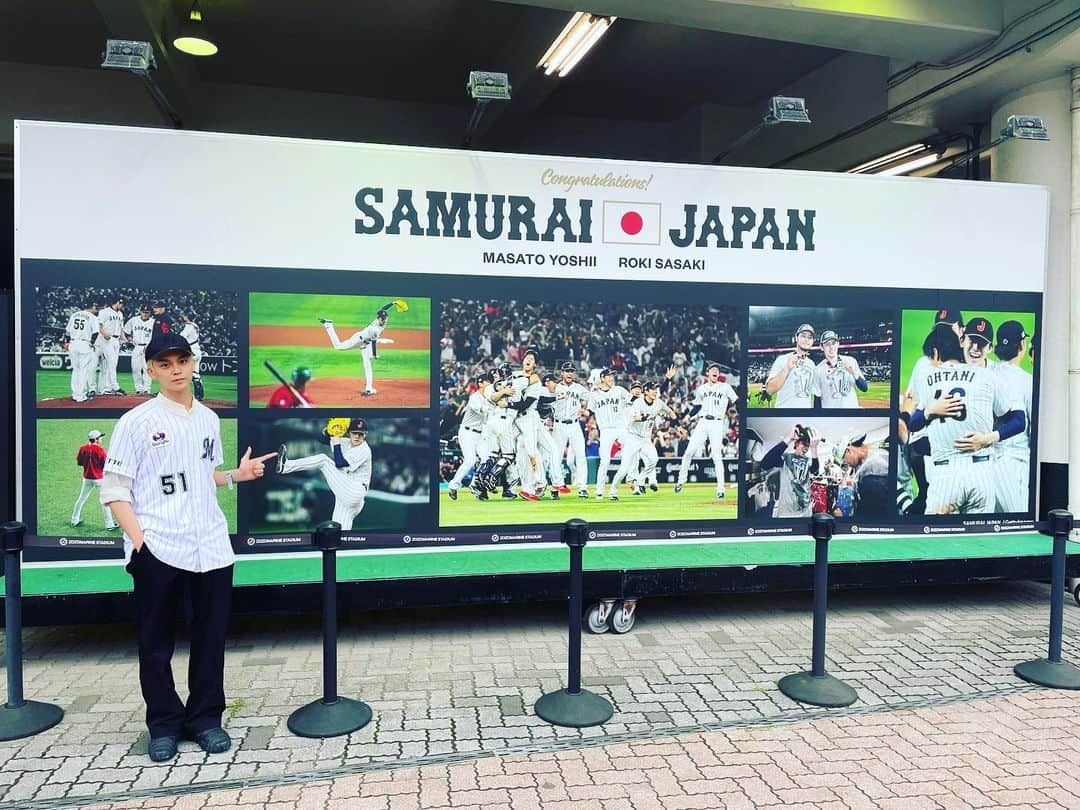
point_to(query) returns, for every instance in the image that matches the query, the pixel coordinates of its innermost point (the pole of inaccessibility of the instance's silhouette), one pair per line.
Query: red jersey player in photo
(91, 457)
(285, 396)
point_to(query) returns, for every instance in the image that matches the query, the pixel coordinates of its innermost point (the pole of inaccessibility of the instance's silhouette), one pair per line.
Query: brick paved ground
(460, 684)
(1022, 750)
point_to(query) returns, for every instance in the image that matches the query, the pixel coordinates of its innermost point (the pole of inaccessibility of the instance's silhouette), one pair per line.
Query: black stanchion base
(321, 720)
(818, 690)
(28, 719)
(574, 711)
(1060, 675)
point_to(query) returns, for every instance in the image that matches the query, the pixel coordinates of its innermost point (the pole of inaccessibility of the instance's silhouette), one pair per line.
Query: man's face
(172, 370)
(118, 306)
(356, 438)
(713, 374)
(567, 377)
(550, 386)
(528, 364)
(607, 381)
(831, 349)
(650, 395)
(144, 315)
(801, 447)
(804, 341)
(92, 309)
(975, 350)
(851, 457)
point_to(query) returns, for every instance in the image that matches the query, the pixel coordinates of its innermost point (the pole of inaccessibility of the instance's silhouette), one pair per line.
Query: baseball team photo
(364, 473)
(90, 343)
(796, 467)
(326, 351)
(820, 357)
(965, 423)
(70, 463)
(608, 412)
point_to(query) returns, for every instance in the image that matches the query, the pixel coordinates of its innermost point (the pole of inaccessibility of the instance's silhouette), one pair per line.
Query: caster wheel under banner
(596, 617)
(1076, 593)
(623, 616)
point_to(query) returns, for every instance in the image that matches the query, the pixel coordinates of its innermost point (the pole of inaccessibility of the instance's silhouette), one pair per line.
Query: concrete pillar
(1052, 164)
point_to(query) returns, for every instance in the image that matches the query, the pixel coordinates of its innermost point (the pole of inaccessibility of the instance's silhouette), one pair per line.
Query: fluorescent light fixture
(577, 39)
(873, 166)
(193, 38)
(908, 165)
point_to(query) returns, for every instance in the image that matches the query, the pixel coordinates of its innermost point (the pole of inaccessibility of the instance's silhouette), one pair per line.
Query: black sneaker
(654, 487)
(213, 740)
(453, 494)
(162, 749)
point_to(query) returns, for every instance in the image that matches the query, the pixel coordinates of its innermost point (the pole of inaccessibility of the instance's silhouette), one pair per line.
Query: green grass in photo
(393, 364)
(303, 309)
(57, 385)
(915, 325)
(59, 478)
(877, 391)
(695, 502)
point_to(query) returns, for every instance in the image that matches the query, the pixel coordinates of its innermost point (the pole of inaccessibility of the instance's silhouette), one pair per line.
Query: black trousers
(158, 590)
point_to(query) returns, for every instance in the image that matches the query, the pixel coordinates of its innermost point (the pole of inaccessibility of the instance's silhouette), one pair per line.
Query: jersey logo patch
(159, 439)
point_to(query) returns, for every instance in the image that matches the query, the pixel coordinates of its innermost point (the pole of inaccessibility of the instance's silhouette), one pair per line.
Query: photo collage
(394, 414)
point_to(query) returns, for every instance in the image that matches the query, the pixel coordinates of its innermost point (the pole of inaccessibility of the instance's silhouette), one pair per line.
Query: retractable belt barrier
(19, 717)
(331, 715)
(573, 706)
(817, 687)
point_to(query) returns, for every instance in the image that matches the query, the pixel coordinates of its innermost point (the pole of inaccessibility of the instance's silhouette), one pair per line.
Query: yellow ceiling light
(577, 39)
(193, 38)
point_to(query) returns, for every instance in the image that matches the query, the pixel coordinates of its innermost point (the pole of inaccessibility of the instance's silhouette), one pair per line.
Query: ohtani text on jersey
(519, 218)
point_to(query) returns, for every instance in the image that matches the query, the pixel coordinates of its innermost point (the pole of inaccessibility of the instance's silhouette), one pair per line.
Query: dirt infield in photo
(123, 402)
(316, 336)
(338, 392)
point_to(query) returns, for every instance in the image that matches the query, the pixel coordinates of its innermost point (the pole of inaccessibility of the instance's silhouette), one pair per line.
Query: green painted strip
(270, 570)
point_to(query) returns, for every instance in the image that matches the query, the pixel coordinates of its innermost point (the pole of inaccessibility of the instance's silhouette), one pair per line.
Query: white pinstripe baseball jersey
(609, 406)
(111, 321)
(1017, 380)
(476, 411)
(572, 400)
(162, 459)
(714, 398)
(82, 325)
(140, 330)
(648, 413)
(984, 395)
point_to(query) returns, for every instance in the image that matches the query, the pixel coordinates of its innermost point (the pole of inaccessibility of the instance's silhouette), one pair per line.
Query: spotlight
(781, 110)
(137, 57)
(193, 37)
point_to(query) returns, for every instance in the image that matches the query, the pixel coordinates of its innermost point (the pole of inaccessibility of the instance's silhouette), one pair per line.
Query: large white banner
(115, 193)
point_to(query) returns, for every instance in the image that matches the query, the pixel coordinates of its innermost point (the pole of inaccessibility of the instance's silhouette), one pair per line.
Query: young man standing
(161, 481)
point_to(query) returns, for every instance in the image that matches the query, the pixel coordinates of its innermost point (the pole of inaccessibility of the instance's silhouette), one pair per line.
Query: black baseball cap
(635, 383)
(711, 366)
(980, 328)
(569, 366)
(535, 352)
(163, 342)
(608, 371)
(357, 425)
(949, 316)
(547, 378)
(1010, 333)
(487, 376)
(652, 385)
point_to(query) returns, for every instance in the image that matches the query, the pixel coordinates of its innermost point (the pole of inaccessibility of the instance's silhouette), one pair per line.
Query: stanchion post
(19, 717)
(1052, 671)
(574, 707)
(331, 715)
(817, 687)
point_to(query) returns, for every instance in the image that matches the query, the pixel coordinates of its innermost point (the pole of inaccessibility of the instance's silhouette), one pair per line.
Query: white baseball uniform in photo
(794, 497)
(963, 482)
(81, 327)
(714, 399)
(108, 348)
(1012, 456)
(349, 482)
(190, 333)
(139, 330)
(835, 384)
(470, 430)
(530, 465)
(636, 439)
(609, 408)
(90, 486)
(162, 458)
(798, 389)
(365, 339)
(567, 433)
(499, 433)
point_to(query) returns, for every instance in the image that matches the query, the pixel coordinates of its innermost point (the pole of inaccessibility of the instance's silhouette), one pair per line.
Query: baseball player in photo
(367, 339)
(838, 375)
(570, 397)
(285, 397)
(637, 438)
(91, 458)
(791, 378)
(190, 332)
(545, 438)
(976, 342)
(82, 327)
(347, 470)
(527, 388)
(1012, 456)
(499, 438)
(608, 404)
(797, 458)
(138, 331)
(869, 468)
(108, 346)
(470, 432)
(960, 405)
(711, 400)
